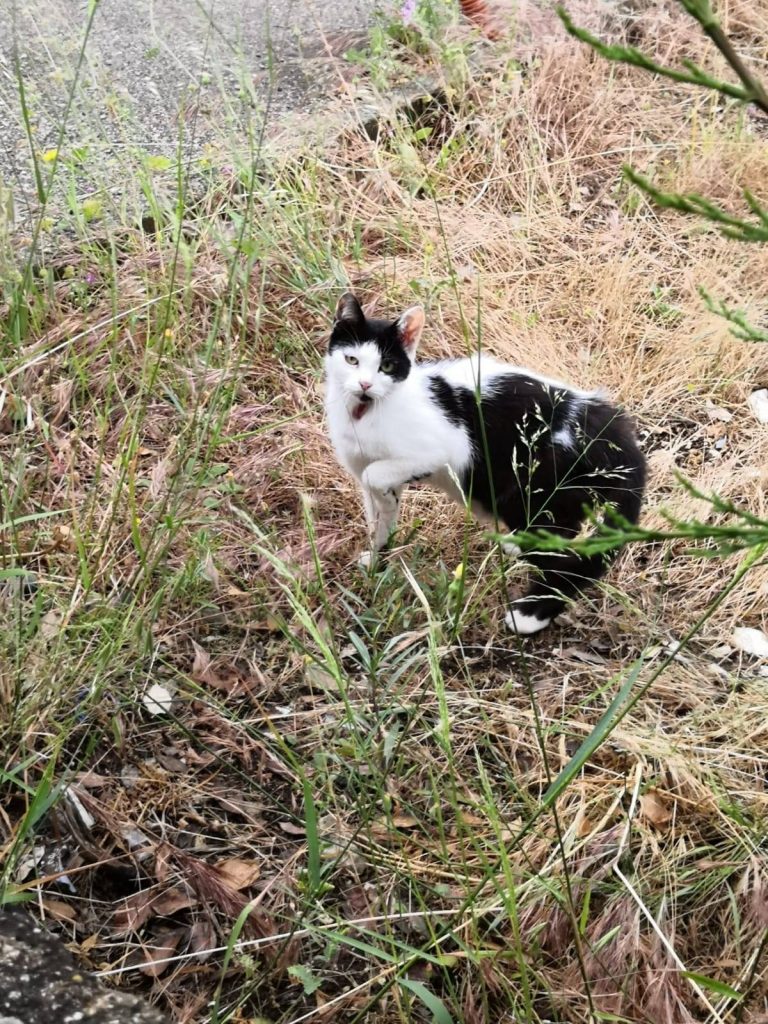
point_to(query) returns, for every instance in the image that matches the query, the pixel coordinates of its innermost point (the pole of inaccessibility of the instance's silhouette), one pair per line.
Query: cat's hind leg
(559, 577)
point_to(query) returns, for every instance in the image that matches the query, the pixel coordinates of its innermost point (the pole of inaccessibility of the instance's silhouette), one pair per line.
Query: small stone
(157, 700)
(758, 403)
(716, 413)
(751, 641)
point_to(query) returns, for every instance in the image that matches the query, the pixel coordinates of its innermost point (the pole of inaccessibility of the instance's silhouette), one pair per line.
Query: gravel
(160, 74)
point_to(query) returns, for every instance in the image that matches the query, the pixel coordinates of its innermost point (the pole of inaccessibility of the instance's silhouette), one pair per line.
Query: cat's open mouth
(363, 402)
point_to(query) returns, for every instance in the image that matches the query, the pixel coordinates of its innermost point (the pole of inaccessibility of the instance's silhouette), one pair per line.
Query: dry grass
(174, 443)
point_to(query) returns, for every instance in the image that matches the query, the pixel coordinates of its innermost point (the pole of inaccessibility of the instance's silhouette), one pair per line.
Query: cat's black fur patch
(456, 402)
(527, 479)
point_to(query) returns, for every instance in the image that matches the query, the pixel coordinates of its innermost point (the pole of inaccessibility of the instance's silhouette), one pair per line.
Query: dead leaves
(139, 908)
(156, 955)
(385, 829)
(217, 884)
(237, 873)
(656, 809)
(210, 889)
(226, 679)
(59, 910)
(202, 938)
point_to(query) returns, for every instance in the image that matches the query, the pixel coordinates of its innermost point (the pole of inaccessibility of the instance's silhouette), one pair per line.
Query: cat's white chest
(407, 427)
(359, 442)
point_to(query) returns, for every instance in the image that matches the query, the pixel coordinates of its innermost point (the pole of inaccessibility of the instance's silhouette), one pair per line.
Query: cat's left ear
(349, 311)
(409, 327)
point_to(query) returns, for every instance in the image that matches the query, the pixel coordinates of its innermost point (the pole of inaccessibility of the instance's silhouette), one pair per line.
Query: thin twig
(713, 29)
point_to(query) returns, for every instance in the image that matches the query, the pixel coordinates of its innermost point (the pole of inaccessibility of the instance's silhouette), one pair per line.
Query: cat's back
(491, 374)
(468, 372)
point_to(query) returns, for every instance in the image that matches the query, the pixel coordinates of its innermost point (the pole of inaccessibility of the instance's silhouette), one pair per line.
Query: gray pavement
(155, 71)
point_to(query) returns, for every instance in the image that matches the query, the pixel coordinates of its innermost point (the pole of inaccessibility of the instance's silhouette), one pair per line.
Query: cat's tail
(559, 577)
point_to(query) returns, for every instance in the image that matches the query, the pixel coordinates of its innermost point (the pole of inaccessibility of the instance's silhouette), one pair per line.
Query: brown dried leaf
(133, 912)
(164, 946)
(291, 829)
(211, 573)
(163, 856)
(231, 682)
(200, 759)
(358, 900)
(208, 885)
(655, 808)
(404, 821)
(59, 910)
(383, 828)
(580, 654)
(170, 762)
(158, 478)
(169, 902)
(201, 667)
(139, 908)
(707, 864)
(204, 672)
(235, 801)
(92, 780)
(202, 938)
(50, 624)
(237, 873)
(467, 818)
(315, 675)
(584, 826)
(63, 538)
(61, 394)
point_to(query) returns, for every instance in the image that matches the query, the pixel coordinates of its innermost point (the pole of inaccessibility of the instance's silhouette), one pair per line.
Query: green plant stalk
(732, 227)
(702, 11)
(630, 55)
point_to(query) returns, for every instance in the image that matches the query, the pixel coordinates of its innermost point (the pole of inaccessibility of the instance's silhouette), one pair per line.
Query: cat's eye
(387, 366)
(351, 360)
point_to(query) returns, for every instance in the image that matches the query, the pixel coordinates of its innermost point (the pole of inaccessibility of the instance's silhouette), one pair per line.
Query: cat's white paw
(378, 478)
(366, 559)
(524, 624)
(511, 549)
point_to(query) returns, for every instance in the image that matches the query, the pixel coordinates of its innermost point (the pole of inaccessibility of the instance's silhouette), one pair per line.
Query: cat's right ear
(349, 312)
(409, 326)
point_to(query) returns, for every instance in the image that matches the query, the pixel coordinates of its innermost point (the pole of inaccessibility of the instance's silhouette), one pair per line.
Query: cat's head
(367, 357)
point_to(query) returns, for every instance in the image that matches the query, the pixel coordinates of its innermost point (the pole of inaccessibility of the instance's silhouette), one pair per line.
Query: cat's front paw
(378, 481)
(367, 559)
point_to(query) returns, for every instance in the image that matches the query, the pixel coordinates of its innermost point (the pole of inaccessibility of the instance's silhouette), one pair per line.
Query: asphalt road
(158, 70)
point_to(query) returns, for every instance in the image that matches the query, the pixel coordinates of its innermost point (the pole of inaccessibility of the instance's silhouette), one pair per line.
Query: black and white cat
(526, 451)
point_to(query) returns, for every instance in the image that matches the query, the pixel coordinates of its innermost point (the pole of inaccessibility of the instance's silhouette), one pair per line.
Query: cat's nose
(364, 384)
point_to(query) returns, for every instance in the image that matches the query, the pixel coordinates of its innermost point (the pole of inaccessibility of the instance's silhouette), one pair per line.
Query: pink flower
(407, 11)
